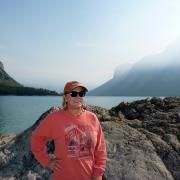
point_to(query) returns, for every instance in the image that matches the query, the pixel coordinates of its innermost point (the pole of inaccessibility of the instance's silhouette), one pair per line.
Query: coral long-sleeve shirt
(79, 143)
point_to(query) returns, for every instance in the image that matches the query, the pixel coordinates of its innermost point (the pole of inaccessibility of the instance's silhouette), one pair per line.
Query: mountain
(9, 86)
(5, 79)
(156, 75)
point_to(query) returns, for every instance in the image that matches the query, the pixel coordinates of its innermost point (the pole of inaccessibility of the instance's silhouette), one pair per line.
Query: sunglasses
(75, 93)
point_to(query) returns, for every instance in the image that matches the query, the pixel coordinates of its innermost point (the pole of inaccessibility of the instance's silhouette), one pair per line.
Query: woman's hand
(55, 164)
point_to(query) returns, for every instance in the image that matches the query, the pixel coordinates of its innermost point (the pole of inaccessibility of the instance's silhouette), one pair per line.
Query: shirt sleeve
(99, 154)
(39, 139)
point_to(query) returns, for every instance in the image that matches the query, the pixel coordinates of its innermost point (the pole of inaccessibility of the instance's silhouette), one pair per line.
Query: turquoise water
(19, 112)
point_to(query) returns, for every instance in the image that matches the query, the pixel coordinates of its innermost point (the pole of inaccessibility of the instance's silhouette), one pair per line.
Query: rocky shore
(142, 137)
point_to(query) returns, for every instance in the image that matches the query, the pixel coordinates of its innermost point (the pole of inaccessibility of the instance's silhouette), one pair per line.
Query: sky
(45, 43)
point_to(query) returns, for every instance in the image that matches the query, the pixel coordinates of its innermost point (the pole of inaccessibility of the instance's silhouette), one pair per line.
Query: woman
(80, 150)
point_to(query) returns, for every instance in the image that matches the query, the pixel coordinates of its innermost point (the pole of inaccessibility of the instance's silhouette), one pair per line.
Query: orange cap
(72, 85)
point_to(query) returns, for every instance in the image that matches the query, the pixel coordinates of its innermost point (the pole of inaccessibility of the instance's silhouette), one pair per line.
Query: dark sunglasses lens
(74, 94)
(82, 94)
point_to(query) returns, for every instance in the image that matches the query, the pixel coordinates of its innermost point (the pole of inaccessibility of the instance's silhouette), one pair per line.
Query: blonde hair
(64, 103)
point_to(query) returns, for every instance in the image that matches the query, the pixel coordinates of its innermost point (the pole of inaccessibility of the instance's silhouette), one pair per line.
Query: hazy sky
(44, 43)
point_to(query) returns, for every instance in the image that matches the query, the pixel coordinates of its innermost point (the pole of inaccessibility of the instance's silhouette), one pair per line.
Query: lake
(19, 112)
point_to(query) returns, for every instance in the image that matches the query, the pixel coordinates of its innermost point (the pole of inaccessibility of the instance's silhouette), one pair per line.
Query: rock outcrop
(142, 137)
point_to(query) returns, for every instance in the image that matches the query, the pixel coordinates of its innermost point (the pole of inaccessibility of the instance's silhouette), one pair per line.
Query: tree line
(22, 91)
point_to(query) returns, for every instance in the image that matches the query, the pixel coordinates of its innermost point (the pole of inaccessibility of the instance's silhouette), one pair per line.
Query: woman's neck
(75, 112)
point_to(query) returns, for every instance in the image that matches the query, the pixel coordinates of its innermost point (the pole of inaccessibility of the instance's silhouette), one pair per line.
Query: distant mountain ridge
(157, 75)
(6, 79)
(9, 86)
(1, 65)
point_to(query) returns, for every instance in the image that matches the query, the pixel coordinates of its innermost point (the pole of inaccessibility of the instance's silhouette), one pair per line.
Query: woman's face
(74, 102)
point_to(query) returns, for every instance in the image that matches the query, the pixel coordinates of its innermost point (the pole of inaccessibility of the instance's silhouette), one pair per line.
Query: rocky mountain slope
(155, 75)
(142, 137)
(6, 79)
(9, 86)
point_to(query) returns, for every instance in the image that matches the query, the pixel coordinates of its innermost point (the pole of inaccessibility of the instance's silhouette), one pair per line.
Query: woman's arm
(39, 139)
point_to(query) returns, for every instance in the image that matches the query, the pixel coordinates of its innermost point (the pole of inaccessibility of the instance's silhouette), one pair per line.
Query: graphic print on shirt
(79, 141)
